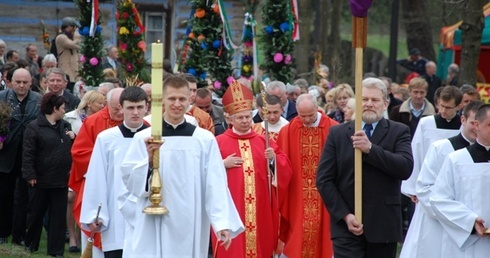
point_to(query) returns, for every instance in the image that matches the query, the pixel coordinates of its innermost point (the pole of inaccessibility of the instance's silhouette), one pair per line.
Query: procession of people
(173, 169)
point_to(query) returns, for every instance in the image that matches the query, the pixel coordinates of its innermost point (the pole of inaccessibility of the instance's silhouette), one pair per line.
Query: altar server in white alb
(194, 188)
(432, 128)
(424, 237)
(103, 181)
(460, 197)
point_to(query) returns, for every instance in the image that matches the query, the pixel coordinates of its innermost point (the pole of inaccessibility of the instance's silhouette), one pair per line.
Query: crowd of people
(270, 175)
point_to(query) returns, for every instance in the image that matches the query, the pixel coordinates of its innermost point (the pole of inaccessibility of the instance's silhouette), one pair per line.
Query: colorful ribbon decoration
(95, 17)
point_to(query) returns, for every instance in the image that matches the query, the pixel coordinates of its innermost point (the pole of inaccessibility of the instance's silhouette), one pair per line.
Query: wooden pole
(359, 42)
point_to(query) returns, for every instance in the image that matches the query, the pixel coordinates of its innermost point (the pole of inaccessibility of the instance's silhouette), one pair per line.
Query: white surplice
(425, 134)
(460, 194)
(425, 232)
(195, 191)
(103, 182)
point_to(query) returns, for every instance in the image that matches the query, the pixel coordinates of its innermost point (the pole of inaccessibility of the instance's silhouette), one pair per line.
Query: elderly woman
(341, 95)
(91, 103)
(46, 162)
(40, 82)
(350, 110)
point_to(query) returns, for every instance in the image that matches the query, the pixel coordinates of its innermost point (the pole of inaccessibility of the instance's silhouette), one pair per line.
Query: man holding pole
(193, 184)
(386, 160)
(248, 160)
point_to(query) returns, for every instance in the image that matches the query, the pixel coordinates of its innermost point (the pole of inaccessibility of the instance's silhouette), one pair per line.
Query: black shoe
(74, 249)
(3, 240)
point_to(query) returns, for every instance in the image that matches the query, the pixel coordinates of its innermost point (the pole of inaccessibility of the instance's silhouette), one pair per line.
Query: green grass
(11, 251)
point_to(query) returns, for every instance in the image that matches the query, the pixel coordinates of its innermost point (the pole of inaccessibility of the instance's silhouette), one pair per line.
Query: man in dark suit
(387, 159)
(57, 83)
(278, 89)
(110, 61)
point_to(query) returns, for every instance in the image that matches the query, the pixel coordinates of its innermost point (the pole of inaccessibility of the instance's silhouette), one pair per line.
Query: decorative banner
(95, 17)
(295, 12)
(484, 90)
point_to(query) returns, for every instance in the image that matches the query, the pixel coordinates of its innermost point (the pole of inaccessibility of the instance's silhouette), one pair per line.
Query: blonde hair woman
(91, 103)
(341, 95)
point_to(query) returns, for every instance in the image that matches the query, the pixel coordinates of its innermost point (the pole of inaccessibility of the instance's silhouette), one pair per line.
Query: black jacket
(12, 146)
(46, 154)
(388, 163)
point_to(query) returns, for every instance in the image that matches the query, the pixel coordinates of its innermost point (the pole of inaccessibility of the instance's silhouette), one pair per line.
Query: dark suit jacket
(388, 162)
(291, 112)
(71, 101)
(393, 102)
(18, 123)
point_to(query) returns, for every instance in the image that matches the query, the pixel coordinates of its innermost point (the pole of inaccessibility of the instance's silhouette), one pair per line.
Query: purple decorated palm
(359, 8)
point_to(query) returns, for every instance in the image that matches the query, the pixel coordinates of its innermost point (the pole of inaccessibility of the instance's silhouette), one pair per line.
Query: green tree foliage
(207, 52)
(92, 47)
(276, 40)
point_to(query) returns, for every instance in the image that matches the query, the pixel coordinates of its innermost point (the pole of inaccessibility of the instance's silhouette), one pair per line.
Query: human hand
(224, 236)
(414, 198)
(232, 161)
(151, 146)
(269, 153)
(361, 141)
(352, 224)
(32, 182)
(71, 134)
(95, 226)
(479, 227)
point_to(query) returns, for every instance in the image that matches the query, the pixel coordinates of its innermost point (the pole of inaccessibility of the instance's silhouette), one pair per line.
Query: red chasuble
(203, 119)
(306, 231)
(81, 152)
(249, 188)
(260, 130)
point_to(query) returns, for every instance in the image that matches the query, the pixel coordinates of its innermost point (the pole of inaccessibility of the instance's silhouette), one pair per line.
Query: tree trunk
(472, 27)
(303, 50)
(417, 27)
(334, 42)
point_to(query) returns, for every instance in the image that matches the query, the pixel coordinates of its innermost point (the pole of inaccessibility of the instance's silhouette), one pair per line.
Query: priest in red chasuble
(81, 151)
(250, 167)
(307, 231)
(274, 109)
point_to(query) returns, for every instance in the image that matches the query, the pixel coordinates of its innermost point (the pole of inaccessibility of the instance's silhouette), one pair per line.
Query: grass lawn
(10, 250)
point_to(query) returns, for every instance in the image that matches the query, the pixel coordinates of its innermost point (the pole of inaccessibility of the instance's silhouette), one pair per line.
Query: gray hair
(308, 98)
(301, 83)
(56, 70)
(49, 58)
(453, 68)
(275, 85)
(291, 88)
(2, 43)
(375, 83)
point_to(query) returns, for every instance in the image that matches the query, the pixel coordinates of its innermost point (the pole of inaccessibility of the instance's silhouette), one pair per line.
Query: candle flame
(158, 41)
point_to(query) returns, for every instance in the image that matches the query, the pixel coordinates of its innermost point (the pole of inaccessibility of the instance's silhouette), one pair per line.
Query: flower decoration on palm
(130, 39)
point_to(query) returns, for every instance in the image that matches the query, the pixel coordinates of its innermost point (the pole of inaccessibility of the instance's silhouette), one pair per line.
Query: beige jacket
(68, 59)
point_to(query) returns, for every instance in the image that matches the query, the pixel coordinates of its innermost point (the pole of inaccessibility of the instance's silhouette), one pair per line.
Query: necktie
(368, 129)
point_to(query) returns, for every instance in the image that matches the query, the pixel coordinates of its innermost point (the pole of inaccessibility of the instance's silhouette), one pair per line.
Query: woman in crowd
(349, 110)
(91, 103)
(342, 93)
(46, 166)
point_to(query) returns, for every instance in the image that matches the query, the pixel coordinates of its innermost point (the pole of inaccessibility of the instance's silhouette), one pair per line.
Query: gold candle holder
(156, 129)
